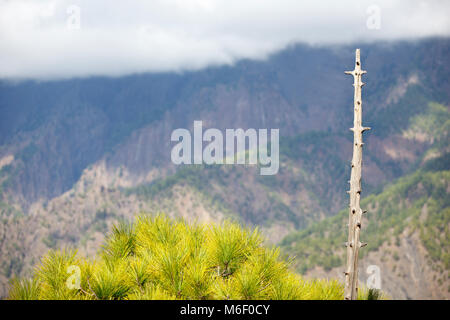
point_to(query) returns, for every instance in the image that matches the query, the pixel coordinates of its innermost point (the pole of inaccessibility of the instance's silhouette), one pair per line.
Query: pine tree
(159, 258)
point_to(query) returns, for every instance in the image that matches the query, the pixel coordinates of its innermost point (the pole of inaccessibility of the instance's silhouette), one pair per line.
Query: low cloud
(51, 39)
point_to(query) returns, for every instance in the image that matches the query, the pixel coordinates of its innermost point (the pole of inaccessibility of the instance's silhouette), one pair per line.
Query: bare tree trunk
(355, 212)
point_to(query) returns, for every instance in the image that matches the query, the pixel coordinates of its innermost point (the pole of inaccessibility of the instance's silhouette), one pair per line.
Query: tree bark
(355, 212)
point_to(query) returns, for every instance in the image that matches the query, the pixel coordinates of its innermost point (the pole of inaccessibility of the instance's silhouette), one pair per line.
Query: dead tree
(355, 212)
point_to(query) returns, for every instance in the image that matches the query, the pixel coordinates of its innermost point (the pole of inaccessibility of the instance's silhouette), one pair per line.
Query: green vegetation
(398, 115)
(190, 175)
(158, 258)
(225, 189)
(419, 202)
(433, 124)
(28, 152)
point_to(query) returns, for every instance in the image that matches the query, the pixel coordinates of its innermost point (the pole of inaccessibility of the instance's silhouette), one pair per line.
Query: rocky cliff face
(405, 272)
(57, 129)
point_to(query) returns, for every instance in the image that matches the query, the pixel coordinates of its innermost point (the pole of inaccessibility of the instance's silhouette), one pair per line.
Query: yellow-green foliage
(159, 258)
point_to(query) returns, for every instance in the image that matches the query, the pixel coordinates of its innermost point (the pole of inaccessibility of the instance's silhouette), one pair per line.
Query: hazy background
(90, 92)
(66, 38)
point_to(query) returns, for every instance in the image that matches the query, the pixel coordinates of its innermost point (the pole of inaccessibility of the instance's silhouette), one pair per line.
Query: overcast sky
(47, 39)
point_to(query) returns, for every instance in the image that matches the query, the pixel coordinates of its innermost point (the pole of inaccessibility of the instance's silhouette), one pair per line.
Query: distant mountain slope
(407, 223)
(79, 155)
(415, 209)
(55, 130)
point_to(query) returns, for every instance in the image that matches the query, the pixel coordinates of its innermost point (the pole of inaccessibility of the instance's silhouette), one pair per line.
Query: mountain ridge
(78, 155)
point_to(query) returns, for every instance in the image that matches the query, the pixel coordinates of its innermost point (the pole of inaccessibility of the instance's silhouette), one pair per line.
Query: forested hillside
(77, 156)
